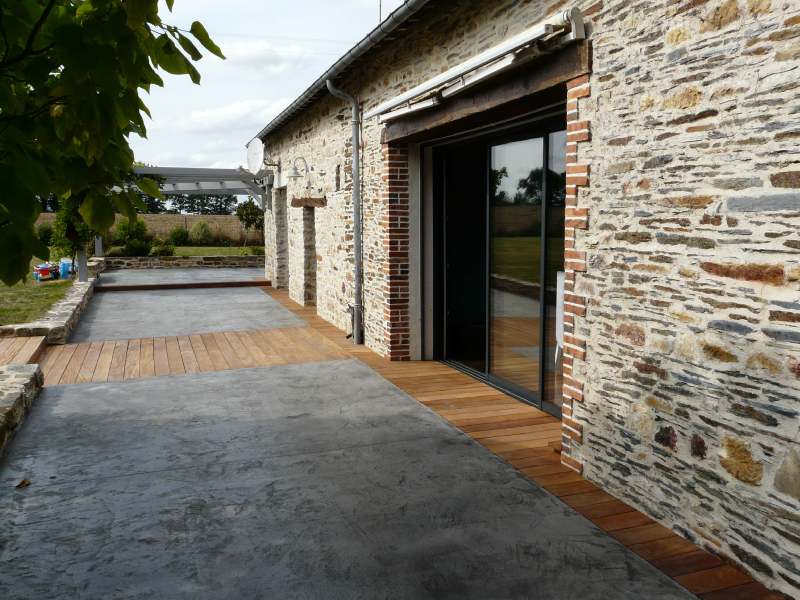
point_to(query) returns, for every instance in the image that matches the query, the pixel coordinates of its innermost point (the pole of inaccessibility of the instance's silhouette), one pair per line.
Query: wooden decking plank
(248, 360)
(86, 371)
(201, 354)
(147, 365)
(287, 345)
(160, 359)
(74, 366)
(190, 362)
(643, 533)
(272, 355)
(174, 358)
(7, 355)
(325, 353)
(5, 342)
(748, 591)
(227, 351)
(665, 547)
(117, 369)
(257, 353)
(623, 521)
(32, 348)
(505, 425)
(104, 362)
(604, 509)
(218, 360)
(50, 354)
(714, 579)
(59, 365)
(133, 359)
(331, 349)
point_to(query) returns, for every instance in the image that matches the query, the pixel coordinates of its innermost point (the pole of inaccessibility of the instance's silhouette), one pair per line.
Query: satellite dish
(255, 158)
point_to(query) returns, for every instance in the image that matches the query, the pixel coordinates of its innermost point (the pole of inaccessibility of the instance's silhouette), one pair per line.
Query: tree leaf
(200, 33)
(149, 187)
(97, 211)
(189, 47)
(139, 11)
(169, 4)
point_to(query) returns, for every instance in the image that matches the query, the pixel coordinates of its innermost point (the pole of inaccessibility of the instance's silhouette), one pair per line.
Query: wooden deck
(527, 438)
(150, 357)
(21, 350)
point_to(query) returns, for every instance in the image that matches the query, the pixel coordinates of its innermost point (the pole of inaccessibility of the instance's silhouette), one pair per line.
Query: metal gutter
(392, 22)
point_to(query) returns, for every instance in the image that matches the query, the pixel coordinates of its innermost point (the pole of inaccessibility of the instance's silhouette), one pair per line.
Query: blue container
(63, 270)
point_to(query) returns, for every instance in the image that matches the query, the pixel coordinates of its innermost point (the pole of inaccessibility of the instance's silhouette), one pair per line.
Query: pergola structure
(201, 182)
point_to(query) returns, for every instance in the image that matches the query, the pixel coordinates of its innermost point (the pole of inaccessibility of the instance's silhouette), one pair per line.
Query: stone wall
(682, 357)
(688, 393)
(57, 322)
(19, 385)
(322, 135)
(183, 262)
(161, 225)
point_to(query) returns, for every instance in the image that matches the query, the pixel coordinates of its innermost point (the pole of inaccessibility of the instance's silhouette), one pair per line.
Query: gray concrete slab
(318, 481)
(133, 315)
(198, 275)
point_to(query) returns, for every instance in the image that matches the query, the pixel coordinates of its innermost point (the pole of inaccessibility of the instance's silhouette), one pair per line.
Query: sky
(274, 51)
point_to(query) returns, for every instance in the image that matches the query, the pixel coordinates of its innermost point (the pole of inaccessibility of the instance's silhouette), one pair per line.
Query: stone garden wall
(19, 385)
(682, 366)
(182, 262)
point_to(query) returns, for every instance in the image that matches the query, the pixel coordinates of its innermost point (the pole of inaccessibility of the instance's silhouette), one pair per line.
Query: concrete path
(316, 481)
(132, 315)
(197, 275)
(319, 480)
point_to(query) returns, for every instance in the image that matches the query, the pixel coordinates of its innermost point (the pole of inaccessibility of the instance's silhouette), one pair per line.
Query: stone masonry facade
(682, 327)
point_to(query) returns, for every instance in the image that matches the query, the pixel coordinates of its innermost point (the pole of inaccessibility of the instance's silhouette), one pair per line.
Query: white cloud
(242, 115)
(260, 60)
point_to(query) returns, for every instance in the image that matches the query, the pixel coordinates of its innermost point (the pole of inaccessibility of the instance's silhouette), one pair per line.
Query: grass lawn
(28, 301)
(520, 258)
(208, 251)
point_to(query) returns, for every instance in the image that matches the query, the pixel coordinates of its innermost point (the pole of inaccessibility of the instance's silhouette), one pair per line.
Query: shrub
(45, 233)
(179, 236)
(115, 251)
(137, 248)
(223, 241)
(200, 233)
(163, 250)
(125, 232)
(257, 250)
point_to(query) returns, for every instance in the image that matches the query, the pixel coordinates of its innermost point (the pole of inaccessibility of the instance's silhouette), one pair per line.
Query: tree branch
(28, 51)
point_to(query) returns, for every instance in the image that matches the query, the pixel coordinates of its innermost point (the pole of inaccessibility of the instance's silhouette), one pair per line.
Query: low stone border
(19, 385)
(182, 262)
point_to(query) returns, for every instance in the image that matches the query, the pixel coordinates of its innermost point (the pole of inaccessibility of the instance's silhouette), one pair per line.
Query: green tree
(70, 232)
(71, 74)
(250, 215)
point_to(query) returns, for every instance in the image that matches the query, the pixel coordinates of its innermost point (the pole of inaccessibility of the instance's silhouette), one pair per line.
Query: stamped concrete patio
(319, 479)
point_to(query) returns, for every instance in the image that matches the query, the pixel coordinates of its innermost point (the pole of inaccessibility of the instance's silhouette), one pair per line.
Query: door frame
(544, 124)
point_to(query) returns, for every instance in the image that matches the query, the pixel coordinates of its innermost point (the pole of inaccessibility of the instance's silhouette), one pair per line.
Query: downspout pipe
(355, 120)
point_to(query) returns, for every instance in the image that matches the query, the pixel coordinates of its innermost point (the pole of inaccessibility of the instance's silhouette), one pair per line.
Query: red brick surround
(575, 262)
(395, 248)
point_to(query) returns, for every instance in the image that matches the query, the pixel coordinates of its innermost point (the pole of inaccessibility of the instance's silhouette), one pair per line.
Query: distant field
(520, 257)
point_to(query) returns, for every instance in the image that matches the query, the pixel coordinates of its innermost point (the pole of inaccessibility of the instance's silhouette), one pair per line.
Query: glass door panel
(515, 200)
(556, 192)
(465, 255)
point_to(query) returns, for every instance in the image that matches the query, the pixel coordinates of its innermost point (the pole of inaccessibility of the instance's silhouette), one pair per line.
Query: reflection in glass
(515, 189)
(556, 202)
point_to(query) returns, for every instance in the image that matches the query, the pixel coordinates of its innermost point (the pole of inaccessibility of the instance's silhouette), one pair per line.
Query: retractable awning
(201, 182)
(543, 38)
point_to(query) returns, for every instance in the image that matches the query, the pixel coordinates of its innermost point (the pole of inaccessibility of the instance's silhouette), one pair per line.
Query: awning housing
(543, 38)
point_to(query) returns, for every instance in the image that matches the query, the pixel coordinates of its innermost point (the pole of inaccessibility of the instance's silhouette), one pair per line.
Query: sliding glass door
(503, 250)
